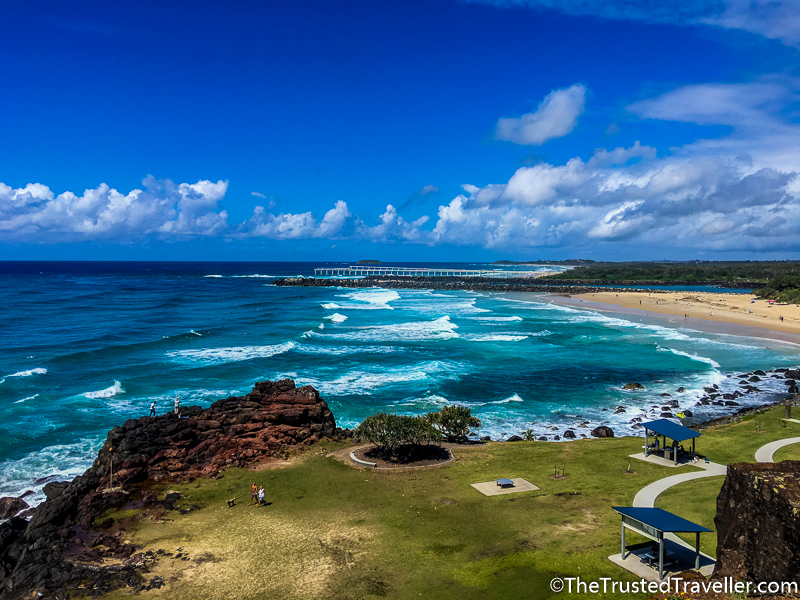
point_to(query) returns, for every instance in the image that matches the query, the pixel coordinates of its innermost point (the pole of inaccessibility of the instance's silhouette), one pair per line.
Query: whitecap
(514, 398)
(437, 329)
(495, 337)
(28, 373)
(24, 399)
(331, 306)
(704, 359)
(370, 299)
(337, 318)
(218, 356)
(106, 393)
(496, 319)
(216, 276)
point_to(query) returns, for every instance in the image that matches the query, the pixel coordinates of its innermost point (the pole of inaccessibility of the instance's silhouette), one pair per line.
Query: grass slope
(332, 531)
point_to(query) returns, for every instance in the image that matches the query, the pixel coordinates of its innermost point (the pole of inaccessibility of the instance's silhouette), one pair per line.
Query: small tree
(390, 433)
(454, 421)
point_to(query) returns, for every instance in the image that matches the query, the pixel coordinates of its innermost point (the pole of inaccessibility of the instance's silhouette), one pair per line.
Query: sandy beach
(741, 314)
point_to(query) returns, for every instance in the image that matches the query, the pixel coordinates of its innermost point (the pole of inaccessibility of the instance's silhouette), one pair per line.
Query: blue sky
(436, 130)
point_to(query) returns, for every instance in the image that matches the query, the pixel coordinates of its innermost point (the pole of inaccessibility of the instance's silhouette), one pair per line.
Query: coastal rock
(754, 379)
(569, 434)
(667, 415)
(556, 438)
(633, 386)
(619, 410)
(709, 390)
(731, 403)
(665, 395)
(759, 372)
(11, 506)
(603, 431)
(233, 432)
(514, 438)
(673, 404)
(758, 502)
(681, 389)
(792, 374)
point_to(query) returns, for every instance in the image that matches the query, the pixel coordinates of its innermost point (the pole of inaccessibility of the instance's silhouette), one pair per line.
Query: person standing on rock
(177, 406)
(153, 409)
(253, 494)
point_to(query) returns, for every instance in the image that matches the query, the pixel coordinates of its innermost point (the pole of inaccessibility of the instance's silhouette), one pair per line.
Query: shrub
(390, 433)
(454, 422)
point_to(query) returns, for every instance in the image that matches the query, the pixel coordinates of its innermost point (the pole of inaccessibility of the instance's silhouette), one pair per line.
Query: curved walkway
(766, 452)
(646, 497)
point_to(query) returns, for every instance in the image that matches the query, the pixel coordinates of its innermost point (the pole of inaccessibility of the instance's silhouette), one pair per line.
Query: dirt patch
(626, 472)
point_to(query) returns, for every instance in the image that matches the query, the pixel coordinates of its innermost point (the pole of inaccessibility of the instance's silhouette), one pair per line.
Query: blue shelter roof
(671, 430)
(660, 519)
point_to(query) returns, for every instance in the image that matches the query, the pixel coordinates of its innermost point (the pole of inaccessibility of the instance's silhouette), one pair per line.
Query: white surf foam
(370, 299)
(24, 399)
(496, 319)
(28, 373)
(215, 276)
(106, 393)
(343, 350)
(330, 306)
(218, 356)
(495, 337)
(703, 359)
(54, 463)
(336, 318)
(360, 382)
(514, 398)
(438, 329)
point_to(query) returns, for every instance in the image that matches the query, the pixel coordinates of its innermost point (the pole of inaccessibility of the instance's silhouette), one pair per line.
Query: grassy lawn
(332, 531)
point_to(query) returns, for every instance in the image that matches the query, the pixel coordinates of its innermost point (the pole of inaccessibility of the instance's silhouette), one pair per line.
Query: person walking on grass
(153, 409)
(253, 494)
(261, 495)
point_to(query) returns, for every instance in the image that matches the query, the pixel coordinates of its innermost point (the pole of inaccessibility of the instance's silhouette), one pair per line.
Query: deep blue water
(84, 346)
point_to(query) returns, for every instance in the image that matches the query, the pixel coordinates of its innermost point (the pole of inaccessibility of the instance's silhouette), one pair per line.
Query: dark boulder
(633, 386)
(754, 379)
(681, 389)
(603, 431)
(667, 415)
(11, 506)
(569, 434)
(514, 438)
(619, 410)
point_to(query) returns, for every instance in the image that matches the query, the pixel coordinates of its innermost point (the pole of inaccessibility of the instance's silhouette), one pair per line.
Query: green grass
(332, 531)
(696, 501)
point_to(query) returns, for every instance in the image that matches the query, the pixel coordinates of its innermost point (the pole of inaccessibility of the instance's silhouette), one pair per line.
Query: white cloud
(555, 117)
(289, 226)
(775, 19)
(258, 194)
(428, 189)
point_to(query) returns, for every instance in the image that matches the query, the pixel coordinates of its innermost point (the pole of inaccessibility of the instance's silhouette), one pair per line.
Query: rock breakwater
(521, 284)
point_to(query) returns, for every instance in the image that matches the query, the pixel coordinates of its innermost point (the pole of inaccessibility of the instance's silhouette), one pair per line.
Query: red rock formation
(236, 431)
(758, 522)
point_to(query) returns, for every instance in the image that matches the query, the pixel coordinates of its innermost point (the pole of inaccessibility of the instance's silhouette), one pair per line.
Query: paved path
(646, 497)
(765, 453)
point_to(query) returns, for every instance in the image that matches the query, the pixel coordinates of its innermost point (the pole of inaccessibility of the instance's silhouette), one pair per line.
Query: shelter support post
(697, 551)
(622, 550)
(661, 555)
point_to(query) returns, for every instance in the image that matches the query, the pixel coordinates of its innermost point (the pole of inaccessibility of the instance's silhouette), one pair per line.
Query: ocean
(85, 346)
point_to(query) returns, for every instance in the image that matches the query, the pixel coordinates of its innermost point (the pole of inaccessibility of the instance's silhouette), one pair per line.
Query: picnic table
(651, 557)
(503, 483)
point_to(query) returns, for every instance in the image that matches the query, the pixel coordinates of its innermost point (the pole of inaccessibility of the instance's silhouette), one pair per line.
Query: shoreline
(699, 311)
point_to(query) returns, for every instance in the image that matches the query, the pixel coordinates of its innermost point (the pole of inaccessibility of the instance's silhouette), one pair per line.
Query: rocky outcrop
(758, 522)
(633, 386)
(10, 507)
(50, 553)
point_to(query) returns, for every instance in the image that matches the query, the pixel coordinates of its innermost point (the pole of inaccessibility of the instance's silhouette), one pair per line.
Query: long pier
(365, 271)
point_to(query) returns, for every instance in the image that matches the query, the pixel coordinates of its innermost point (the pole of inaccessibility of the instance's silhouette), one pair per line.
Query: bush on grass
(397, 434)
(454, 422)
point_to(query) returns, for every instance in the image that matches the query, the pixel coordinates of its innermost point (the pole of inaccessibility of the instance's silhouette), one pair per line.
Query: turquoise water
(85, 346)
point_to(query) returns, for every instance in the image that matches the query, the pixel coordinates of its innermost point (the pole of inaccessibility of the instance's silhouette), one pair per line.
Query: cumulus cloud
(104, 212)
(289, 226)
(555, 117)
(258, 195)
(775, 19)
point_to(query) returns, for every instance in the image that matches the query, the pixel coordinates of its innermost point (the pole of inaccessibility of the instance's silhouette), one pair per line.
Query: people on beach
(153, 409)
(253, 494)
(177, 405)
(261, 495)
